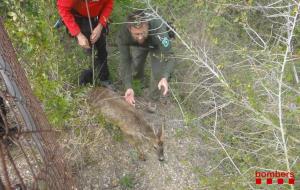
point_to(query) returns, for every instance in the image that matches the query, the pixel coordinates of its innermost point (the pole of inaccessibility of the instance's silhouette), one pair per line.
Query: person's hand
(163, 83)
(129, 96)
(83, 41)
(96, 33)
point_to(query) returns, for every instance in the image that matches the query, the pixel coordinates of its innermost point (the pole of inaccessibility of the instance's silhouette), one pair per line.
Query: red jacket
(100, 8)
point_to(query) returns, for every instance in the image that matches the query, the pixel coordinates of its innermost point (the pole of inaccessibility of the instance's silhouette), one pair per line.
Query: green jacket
(158, 42)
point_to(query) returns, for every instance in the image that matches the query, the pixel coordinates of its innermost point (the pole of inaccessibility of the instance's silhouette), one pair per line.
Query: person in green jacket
(139, 36)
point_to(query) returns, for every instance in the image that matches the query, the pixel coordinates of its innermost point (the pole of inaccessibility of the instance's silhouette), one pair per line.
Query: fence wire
(30, 156)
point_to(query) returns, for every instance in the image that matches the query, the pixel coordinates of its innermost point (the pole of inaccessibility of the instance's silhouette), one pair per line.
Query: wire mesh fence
(30, 156)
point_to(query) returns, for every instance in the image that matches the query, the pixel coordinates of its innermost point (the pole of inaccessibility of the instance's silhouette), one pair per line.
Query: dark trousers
(101, 67)
(139, 56)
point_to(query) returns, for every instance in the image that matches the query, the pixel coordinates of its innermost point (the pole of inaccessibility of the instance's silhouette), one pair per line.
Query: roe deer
(117, 111)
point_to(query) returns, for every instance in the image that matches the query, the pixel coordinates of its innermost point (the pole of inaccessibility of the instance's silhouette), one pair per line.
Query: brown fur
(117, 111)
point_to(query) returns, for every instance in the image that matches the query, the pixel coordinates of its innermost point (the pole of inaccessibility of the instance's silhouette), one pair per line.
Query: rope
(93, 47)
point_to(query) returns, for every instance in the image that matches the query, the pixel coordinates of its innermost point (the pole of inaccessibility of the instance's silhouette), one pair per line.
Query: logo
(165, 42)
(274, 177)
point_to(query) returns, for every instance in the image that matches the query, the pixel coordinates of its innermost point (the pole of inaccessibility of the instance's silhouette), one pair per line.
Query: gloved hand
(96, 33)
(83, 41)
(129, 96)
(163, 83)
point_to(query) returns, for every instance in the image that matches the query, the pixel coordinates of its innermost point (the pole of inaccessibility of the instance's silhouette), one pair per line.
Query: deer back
(117, 111)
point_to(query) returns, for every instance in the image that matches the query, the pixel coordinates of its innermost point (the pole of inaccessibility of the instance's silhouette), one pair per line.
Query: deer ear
(154, 131)
(151, 126)
(160, 133)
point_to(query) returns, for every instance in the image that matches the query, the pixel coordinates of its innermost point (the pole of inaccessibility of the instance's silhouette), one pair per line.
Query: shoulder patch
(165, 42)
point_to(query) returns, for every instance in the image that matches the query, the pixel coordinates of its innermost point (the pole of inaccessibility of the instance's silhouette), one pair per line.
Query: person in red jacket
(75, 15)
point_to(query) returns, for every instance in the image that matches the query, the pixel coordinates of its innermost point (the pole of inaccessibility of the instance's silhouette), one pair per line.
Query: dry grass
(101, 160)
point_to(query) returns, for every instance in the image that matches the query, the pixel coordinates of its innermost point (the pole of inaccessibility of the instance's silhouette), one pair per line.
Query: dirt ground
(106, 161)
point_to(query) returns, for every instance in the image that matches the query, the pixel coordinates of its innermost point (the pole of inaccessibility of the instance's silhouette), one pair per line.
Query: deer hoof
(161, 158)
